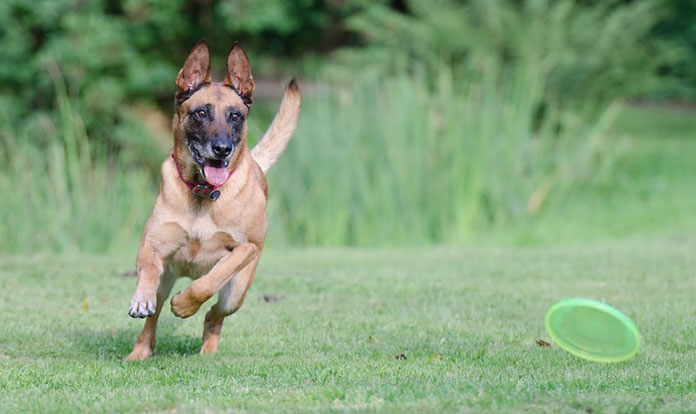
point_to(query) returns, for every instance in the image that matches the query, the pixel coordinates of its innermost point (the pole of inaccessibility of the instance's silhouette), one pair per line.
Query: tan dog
(209, 220)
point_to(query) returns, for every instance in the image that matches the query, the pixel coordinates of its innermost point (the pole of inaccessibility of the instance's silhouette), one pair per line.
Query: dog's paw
(142, 305)
(184, 305)
(209, 347)
(140, 352)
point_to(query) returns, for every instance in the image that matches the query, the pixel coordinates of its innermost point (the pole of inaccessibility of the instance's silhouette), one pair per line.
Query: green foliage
(678, 29)
(363, 188)
(117, 56)
(62, 195)
(589, 52)
(454, 119)
(380, 161)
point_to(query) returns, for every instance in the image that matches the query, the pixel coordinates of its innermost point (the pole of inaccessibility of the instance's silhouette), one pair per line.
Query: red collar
(201, 190)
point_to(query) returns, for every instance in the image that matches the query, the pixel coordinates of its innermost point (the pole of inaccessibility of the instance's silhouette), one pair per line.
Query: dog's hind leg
(145, 344)
(230, 299)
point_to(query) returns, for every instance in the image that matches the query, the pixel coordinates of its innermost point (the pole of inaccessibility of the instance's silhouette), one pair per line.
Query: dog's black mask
(213, 134)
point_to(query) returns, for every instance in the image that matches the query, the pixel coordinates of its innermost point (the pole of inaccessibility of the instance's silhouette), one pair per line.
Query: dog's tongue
(215, 176)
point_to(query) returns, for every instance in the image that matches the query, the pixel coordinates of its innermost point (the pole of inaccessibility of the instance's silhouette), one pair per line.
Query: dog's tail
(278, 135)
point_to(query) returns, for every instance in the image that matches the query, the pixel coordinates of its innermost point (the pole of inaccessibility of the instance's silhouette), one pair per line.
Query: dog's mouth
(214, 171)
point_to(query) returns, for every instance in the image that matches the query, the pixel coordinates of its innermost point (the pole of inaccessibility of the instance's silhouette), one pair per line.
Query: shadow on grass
(117, 344)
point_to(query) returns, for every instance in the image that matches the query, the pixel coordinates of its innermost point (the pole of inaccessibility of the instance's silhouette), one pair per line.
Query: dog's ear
(239, 71)
(196, 69)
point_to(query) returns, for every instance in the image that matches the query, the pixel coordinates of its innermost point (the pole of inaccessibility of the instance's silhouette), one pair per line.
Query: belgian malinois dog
(209, 219)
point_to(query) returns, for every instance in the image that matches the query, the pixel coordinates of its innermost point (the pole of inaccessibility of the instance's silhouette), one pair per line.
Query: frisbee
(592, 330)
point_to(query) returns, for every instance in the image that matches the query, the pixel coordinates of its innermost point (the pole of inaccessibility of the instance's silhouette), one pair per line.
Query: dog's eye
(201, 114)
(235, 117)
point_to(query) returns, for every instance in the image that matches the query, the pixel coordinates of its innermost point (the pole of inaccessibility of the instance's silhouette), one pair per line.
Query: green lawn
(466, 320)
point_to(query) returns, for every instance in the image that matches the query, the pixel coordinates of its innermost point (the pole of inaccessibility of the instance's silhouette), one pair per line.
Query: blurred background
(424, 122)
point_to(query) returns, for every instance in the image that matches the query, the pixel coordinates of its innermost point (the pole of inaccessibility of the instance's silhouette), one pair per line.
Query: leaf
(542, 343)
(271, 298)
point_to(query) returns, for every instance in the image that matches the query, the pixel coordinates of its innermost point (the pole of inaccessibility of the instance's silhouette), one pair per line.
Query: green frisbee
(592, 330)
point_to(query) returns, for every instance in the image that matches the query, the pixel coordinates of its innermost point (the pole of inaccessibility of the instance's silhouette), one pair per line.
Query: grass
(460, 162)
(452, 159)
(466, 319)
(60, 187)
(646, 192)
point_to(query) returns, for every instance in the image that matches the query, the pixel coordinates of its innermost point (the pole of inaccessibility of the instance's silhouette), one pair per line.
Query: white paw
(142, 305)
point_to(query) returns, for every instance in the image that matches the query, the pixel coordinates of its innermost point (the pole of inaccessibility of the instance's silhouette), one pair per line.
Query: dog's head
(210, 122)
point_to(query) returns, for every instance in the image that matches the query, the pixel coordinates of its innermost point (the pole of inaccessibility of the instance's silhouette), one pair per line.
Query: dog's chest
(206, 243)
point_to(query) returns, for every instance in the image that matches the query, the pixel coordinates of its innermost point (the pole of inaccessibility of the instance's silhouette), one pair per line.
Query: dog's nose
(222, 147)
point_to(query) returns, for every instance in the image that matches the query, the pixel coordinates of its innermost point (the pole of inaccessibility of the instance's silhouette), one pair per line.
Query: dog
(209, 219)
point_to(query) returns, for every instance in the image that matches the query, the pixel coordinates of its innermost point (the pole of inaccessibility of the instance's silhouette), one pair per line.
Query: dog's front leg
(188, 301)
(153, 287)
(159, 242)
(150, 266)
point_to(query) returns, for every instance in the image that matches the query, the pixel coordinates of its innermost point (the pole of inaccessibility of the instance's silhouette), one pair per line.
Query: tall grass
(60, 194)
(476, 113)
(396, 160)
(400, 160)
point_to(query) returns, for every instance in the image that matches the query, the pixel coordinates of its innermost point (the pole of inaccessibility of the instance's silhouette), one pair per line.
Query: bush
(377, 161)
(396, 161)
(121, 57)
(677, 29)
(63, 194)
(594, 52)
(456, 117)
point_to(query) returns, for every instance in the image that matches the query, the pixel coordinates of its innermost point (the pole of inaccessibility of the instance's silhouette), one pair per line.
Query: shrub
(396, 160)
(594, 52)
